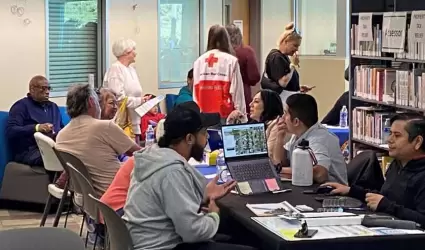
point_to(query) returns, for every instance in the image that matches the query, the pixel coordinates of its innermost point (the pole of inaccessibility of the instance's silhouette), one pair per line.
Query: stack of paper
(288, 228)
(145, 107)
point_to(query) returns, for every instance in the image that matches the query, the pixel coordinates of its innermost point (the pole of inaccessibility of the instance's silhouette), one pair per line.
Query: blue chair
(20, 182)
(170, 100)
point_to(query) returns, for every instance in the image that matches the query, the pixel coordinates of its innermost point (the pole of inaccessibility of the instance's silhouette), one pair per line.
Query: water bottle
(343, 117)
(222, 171)
(150, 136)
(302, 165)
(387, 128)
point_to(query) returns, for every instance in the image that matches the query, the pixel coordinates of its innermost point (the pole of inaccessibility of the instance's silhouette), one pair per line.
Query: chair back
(46, 146)
(65, 158)
(89, 206)
(118, 234)
(365, 170)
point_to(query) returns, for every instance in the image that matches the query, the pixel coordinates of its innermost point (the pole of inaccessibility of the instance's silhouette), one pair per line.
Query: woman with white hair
(122, 79)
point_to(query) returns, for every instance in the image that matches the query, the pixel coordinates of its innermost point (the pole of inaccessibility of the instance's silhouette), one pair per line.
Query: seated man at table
(34, 113)
(403, 192)
(97, 143)
(163, 207)
(300, 118)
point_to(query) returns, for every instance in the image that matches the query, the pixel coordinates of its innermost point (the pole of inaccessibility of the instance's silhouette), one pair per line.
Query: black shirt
(403, 191)
(277, 66)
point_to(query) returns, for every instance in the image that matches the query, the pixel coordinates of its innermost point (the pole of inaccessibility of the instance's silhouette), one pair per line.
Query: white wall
(318, 25)
(276, 14)
(24, 52)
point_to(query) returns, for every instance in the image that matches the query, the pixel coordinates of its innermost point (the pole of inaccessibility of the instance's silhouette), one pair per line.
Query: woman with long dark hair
(217, 81)
(266, 107)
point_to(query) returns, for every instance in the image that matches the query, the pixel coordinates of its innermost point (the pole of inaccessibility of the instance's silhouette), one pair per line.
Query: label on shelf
(417, 26)
(394, 32)
(365, 27)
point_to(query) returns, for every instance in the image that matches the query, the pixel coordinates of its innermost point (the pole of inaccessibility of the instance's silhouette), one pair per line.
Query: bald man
(33, 113)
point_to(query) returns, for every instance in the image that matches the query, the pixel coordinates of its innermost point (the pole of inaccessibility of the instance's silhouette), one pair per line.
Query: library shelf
(375, 67)
(372, 101)
(387, 58)
(382, 58)
(391, 105)
(373, 145)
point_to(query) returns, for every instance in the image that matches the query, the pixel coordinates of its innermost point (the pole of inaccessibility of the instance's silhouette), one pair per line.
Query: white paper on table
(286, 229)
(145, 107)
(285, 94)
(326, 214)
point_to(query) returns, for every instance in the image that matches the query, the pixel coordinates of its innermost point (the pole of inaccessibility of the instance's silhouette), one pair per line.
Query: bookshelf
(387, 67)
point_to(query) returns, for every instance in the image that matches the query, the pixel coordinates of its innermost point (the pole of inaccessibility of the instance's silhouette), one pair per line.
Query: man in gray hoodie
(163, 208)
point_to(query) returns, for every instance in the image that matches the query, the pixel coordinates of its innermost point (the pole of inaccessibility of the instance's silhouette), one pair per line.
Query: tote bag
(123, 119)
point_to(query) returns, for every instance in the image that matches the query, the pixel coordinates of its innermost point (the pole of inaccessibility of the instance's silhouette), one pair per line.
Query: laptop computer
(245, 152)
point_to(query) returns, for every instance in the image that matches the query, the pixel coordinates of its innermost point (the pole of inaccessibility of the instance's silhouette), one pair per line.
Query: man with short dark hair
(34, 113)
(163, 207)
(97, 143)
(403, 192)
(186, 92)
(301, 119)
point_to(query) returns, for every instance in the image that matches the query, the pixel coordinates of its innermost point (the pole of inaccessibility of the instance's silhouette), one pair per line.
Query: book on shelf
(366, 48)
(368, 124)
(389, 85)
(413, 50)
(375, 82)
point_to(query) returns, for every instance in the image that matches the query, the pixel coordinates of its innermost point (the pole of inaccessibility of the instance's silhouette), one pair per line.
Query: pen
(282, 191)
(264, 208)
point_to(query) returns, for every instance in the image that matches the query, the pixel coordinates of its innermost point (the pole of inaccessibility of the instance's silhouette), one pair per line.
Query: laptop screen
(244, 140)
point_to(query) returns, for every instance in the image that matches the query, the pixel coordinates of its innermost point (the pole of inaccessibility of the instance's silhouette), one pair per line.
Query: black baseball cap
(186, 118)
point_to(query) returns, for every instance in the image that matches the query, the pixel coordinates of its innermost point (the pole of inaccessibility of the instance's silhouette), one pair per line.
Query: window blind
(72, 43)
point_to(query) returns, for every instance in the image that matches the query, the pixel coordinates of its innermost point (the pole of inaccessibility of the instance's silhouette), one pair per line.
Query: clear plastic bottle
(150, 136)
(343, 117)
(222, 171)
(386, 130)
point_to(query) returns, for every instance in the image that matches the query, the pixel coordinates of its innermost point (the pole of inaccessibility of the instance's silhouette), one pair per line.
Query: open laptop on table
(245, 151)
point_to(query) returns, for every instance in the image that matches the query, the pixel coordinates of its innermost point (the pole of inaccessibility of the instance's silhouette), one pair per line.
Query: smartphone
(309, 192)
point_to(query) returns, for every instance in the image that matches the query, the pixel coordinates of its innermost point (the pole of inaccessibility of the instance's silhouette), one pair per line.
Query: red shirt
(249, 70)
(116, 194)
(145, 122)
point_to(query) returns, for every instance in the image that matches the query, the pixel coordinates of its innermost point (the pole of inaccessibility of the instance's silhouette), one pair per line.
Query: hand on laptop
(215, 192)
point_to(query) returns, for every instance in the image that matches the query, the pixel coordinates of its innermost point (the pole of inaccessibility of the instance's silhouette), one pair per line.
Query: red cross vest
(217, 83)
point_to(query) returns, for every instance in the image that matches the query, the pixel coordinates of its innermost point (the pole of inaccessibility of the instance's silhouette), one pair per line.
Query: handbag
(123, 119)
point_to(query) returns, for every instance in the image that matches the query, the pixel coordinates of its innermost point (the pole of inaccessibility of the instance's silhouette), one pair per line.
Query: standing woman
(122, 79)
(247, 62)
(217, 80)
(280, 74)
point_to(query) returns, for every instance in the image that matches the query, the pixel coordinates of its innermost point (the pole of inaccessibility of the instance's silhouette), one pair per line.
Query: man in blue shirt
(34, 113)
(185, 94)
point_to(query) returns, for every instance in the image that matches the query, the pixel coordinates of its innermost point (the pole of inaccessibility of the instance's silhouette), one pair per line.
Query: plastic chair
(89, 206)
(118, 235)
(51, 163)
(46, 238)
(73, 187)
